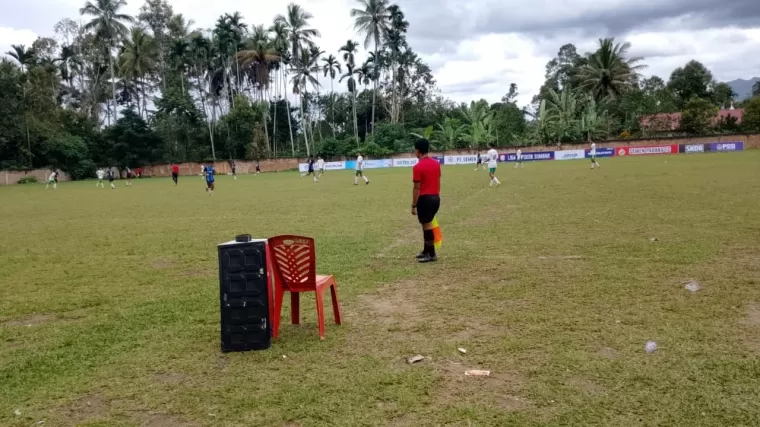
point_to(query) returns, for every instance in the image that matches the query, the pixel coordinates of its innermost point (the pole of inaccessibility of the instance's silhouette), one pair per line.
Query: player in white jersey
(320, 166)
(100, 174)
(518, 157)
(360, 169)
(53, 180)
(592, 154)
(492, 156)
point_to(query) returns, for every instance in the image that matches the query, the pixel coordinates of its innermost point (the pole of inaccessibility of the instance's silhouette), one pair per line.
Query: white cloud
(10, 36)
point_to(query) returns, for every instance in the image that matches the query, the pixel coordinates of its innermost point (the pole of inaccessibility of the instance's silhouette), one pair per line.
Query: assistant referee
(426, 199)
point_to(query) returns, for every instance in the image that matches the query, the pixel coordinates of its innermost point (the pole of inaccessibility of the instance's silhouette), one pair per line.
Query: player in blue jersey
(209, 171)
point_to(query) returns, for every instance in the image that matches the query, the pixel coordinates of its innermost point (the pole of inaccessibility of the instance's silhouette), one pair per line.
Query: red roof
(672, 121)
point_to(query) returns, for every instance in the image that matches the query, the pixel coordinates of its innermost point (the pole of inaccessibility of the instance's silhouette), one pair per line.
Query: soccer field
(109, 299)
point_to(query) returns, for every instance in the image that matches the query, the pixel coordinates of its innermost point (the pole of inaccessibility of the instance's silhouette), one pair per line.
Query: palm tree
(395, 41)
(138, 59)
(305, 70)
(349, 56)
(259, 56)
(25, 58)
(300, 34)
(331, 66)
(281, 36)
(372, 21)
(609, 71)
(108, 24)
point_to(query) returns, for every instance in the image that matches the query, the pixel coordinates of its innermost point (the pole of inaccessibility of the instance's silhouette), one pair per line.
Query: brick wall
(278, 165)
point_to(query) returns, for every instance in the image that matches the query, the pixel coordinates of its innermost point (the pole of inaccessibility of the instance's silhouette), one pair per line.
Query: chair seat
(322, 279)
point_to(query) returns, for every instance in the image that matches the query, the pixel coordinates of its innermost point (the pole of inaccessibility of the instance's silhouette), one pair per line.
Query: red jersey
(428, 173)
(175, 169)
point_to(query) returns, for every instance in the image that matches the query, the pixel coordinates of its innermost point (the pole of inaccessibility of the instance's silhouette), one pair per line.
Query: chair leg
(295, 308)
(336, 307)
(321, 314)
(279, 293)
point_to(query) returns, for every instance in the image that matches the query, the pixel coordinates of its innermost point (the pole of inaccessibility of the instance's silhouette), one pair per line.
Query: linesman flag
(437, 234)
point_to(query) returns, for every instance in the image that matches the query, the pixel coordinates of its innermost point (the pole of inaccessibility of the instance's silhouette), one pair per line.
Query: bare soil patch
(32, 320)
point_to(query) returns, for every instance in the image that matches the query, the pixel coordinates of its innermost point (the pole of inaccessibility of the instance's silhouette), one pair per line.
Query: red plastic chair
(294, 264)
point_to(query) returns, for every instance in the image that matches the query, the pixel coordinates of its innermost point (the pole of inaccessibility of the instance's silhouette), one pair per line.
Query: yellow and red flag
(437, 234)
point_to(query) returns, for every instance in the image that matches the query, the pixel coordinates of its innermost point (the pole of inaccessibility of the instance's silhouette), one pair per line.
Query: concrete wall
(277, 165)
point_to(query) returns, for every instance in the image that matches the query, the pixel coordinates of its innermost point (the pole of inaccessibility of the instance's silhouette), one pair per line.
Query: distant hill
(743, 88)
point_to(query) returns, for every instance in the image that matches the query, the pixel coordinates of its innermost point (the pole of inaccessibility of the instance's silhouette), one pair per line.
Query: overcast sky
(477, 47)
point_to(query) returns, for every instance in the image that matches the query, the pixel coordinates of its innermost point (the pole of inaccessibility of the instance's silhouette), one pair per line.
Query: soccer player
(360, 169)
(592, 153)
(175, 173)
(320, 165)
(493, 157)
(234, 175)
(258, 168)
(426, 200)
(518, 155)
(311, 168)
(210, 179)
(129, 177)
(100, 174)
(480, 162)
(111, 178)
(53, 180)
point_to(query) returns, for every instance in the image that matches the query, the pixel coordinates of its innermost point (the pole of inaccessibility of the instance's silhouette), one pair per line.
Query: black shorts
(233, 171)
(209, 184)
(427, 208)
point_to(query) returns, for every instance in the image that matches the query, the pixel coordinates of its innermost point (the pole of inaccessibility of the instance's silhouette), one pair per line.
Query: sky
(478, 47)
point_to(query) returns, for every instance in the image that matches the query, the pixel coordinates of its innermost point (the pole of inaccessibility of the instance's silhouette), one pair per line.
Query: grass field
(109, 310)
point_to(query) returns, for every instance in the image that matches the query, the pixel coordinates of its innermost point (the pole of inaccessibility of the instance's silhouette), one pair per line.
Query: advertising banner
(726, 146)
(439, 158)
(646, 150)
(601, 152)
(461, 160)
(329, 166)
(569, 154)
(528, 157)
(691, 148)
(405, 163)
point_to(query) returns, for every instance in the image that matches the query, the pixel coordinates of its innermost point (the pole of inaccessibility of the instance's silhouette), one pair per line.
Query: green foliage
(373, 150)
(698, 116)
(28, 180)
(131, 141)
(691, 80)
(751, 119)
(70, 153)
(390, 137)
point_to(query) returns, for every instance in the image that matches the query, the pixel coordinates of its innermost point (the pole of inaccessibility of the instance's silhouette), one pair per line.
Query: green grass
(109, 300)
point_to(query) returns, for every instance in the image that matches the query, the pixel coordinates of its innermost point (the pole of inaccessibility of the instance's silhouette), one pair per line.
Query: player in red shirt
(426, 199)
(175, 173)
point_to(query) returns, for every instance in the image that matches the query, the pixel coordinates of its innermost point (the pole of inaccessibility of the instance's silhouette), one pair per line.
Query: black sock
(429, 242)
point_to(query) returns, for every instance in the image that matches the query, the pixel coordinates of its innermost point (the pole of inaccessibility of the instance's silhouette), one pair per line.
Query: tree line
(121, 90)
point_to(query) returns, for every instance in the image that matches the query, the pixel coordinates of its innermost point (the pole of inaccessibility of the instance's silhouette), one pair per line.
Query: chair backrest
(294, 262)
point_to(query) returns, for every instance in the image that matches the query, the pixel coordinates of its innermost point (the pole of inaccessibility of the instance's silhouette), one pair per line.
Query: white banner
(375, 164)
(569, 154)
(329, 166)
(405, 163)
(460, 160)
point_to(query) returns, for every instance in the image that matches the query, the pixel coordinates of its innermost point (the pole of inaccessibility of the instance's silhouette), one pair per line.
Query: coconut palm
(280, 42)
(109, 25)
(305, 71)
(349, 56)
(138, 59)
(331, 66)
(25, 58)
(372, 20)
(300, 35)
(259, 57)
(610, 72)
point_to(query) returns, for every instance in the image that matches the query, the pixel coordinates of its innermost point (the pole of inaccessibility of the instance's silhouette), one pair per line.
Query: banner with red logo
(645, 150)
